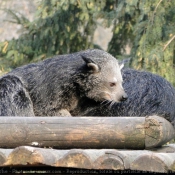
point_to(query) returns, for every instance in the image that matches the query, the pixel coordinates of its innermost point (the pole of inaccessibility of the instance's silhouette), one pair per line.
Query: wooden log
(158, 132)
(79, 158)
(109, 161)
(75, 159)
(85, 132)
(100, 159)
(4, 153)
(26, 155)
(170, 148)
(154, 162)
(127, 156)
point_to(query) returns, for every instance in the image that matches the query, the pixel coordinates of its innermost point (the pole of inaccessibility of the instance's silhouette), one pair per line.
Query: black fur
(148, 94)
(54, 86)
(15, 100)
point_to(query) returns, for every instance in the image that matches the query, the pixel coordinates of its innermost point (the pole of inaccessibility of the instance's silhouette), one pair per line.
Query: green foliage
(148, 28)
(60, 27)
(153, 49)
(124, 20)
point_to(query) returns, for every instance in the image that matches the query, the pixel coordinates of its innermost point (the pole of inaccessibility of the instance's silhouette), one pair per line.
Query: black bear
(55, 86)
(148, 94)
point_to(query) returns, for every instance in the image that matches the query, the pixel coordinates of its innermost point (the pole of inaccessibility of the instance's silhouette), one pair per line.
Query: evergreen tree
(154, 44)
(68, 26)
(60, 27)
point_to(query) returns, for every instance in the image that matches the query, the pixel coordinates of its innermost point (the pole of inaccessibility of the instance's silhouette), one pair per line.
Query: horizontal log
(158, 132)
(154, 162)
(85, 132)
(127, 156)
(4, 153)
(170, 148)
(99, 159)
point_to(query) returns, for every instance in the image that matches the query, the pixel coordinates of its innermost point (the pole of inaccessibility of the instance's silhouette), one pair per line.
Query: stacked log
(92, 143)
(98, 159)
(85, 132)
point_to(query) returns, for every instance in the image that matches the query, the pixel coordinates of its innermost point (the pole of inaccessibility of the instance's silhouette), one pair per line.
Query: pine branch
(150, 24)
(157, 6)
(168, 42)
(155, 10)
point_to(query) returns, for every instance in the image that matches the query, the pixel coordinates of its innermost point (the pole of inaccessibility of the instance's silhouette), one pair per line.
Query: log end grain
(109, 161)
(158, 131)
(75, 159)
(152, 162)
(26, 155)
(2, 159)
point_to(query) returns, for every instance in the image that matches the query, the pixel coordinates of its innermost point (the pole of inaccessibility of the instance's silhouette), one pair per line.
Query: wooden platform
(107, 144)
(157, 160)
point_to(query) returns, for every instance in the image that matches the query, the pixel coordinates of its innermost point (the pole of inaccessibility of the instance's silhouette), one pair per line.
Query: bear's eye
(112, 84)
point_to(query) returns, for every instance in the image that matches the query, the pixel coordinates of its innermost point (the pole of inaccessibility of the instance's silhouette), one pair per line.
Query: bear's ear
(124, 62)
(92, 66)
(121, 66)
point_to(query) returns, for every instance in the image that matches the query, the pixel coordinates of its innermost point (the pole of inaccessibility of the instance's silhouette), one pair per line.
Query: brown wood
(102, 159)
(158, 131)
(2, 158)
(154, 162)
(85, 132)
(4, 153)
(73, 132)
(127, 156)
(26, 155)
(109, 161)
(75, 158)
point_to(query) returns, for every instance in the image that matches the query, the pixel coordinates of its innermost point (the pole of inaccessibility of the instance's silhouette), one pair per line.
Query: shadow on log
(85, 132)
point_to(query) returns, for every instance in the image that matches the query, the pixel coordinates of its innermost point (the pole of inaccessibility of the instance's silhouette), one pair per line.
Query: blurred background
(142, 30)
